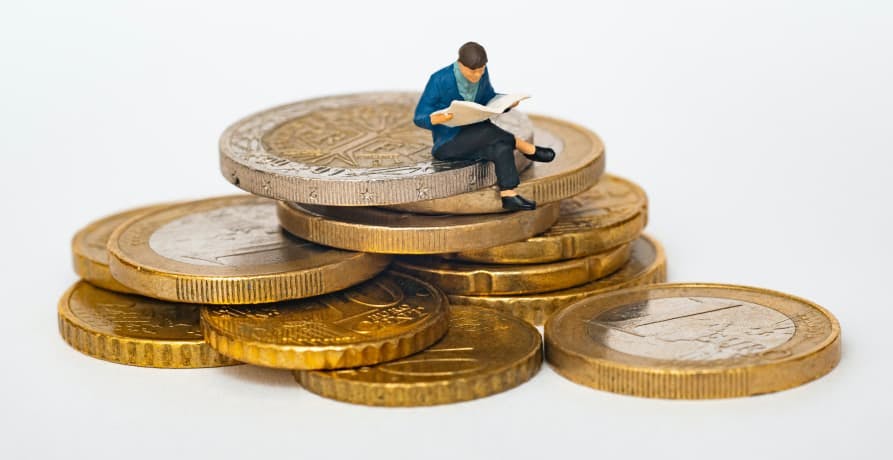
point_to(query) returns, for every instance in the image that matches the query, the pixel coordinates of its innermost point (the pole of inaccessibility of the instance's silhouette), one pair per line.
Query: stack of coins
(377, 274)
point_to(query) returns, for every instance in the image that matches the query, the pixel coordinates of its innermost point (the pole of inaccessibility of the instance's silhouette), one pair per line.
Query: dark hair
(472, 55)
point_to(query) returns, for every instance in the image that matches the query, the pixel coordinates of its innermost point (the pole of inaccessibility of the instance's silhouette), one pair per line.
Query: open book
(466, 112)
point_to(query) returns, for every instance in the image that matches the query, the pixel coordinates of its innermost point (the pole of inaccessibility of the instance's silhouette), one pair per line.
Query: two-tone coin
(578, 164)
(388, 317)
(349, 150)
(134, 330)
(88, 249)
(647, 265)
(455, 277)
(693, 341)
(483, 353)
(229, 250)
(612, 213)
(379, 230)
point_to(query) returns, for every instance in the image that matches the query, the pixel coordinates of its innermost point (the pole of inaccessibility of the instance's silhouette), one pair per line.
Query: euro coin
(693, 341)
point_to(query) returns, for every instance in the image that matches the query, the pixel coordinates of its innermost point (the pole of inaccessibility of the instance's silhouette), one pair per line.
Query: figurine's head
(472, 61)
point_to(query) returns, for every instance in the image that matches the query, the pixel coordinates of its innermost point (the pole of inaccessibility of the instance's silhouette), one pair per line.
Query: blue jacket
(440, 91)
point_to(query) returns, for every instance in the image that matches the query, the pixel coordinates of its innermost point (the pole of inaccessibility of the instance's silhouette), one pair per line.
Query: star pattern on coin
(422, 192)
(367, 195)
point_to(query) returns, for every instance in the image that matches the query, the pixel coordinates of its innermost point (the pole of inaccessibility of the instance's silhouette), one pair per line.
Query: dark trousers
(484, 141)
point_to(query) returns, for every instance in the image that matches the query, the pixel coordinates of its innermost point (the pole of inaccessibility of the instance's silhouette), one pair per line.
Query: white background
(762, 131)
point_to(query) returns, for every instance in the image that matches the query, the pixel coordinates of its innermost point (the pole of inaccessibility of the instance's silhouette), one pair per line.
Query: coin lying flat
(478, 279)
(578, 163)
(349, 150)
(388, 317)
(647, 265)
(693, 341)
(379, 230)
(134, 330)
(228, 250)
(88, 249)
(484, 352)
(612, 213)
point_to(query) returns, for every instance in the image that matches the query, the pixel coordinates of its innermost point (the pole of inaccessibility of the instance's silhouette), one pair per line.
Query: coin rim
(693, 381)
(310, 357)
(430, 393)
(132, 351)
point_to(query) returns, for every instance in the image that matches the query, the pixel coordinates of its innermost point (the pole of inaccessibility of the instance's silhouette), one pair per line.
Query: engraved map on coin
(240, 235)
(691, 329)
(133, 316)
(384, 306)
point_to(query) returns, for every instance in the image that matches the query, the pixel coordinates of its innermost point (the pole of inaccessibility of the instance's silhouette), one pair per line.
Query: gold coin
(478, 279)
(350, 150)
(612, 213)
(134, 330)
(484, 352)
(388, 317)
(578, 163)
(693, 341)
(88, 249)
(228, 250)
(647, 265)
(382, 230)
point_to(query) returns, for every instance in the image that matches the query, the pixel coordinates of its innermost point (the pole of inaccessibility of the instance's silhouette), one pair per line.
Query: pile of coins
(381, 276)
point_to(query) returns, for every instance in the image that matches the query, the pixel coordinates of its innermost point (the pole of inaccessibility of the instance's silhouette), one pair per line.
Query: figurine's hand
(438, 118)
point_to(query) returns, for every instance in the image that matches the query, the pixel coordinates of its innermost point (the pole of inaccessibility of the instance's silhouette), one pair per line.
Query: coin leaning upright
(89, 253)
(693, 341)
(484, 352)
(380, 230)
(134, 330)
(348, 150)
(388, 317)
(611, 213)
(578, 164)
(228, 250)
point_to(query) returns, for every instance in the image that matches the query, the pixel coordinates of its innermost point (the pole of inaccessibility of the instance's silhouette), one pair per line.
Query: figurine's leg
(524, 147)
(532, 152)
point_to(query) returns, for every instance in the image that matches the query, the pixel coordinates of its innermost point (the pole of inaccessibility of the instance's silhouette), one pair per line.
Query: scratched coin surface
(88, 249)
(483, 353)
(350, 150)
(612, 213)
(388, 317)
(693, 341)
(134, 330)
(578, 164)
(489, 279)
(379, 230)
(229, 250)
(647, 265)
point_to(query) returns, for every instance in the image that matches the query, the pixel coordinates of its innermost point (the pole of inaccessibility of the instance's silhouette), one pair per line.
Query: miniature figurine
(467, 79)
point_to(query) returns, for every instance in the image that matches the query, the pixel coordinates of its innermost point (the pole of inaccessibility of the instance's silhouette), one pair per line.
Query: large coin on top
(388, 317)
(578, 164)
(228, 250)
(612, 213)
(693, 341)
(484, 352)
(350, 150)
(380, 230)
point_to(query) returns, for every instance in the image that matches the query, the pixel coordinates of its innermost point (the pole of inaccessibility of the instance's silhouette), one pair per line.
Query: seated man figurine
(467, 79)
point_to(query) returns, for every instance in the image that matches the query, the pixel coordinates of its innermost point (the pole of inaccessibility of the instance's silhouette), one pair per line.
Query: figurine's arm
(427, 105)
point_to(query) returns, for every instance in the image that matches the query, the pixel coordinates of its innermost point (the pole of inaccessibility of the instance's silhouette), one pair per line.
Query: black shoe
(542, 154)
(517, 203)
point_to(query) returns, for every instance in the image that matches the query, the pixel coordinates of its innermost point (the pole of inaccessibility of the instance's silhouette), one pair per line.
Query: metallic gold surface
(349, 150)
(88, 249)
(228, 250)
(388, 317)
(612, 213)
(579, 161)
(134, 330)
(379, 230)
(484, 352)
(693, 341)
(478, 279)
(647, 265)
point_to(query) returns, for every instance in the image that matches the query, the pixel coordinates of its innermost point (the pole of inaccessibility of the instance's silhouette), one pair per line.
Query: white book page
(466, 112)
